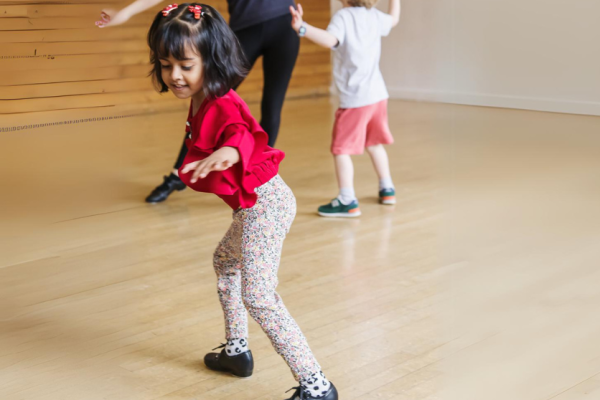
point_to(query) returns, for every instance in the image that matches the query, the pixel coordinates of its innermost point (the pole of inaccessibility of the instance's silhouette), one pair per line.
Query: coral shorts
(357, 128)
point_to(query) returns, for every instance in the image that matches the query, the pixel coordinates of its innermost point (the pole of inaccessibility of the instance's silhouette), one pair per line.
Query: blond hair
(362, 3)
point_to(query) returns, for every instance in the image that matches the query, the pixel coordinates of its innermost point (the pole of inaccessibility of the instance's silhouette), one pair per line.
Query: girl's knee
(254, 301)
(222, 257)
(222, 287)
(218, 259)
(250, 301)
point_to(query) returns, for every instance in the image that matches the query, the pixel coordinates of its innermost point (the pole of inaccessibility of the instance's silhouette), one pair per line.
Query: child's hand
(112, 17)
(220, 160)
(296, 17)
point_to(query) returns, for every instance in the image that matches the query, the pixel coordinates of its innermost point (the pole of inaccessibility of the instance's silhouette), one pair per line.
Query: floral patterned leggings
(246, 262)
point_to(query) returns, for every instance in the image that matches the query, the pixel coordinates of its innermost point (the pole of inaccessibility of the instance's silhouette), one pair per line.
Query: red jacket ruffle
(226, 121)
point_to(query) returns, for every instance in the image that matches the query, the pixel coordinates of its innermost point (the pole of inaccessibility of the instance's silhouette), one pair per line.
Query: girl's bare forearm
(394, 10)
(320, 36)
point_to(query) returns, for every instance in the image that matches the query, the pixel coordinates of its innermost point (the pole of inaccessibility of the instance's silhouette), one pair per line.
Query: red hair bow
(168, 9)
(197, 10)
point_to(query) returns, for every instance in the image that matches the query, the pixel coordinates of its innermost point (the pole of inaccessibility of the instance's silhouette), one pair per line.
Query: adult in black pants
(263, 28)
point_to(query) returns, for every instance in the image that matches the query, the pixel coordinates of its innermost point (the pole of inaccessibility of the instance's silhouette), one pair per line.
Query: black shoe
(301, 394)
(240, 365)
(161, 192)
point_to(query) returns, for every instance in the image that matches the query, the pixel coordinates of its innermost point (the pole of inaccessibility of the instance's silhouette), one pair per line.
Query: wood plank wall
(56, 66)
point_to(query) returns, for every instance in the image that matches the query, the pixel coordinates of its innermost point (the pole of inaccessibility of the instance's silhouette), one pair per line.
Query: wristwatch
(302, 30)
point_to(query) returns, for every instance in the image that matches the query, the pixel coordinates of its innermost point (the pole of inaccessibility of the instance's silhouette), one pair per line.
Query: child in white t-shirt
(354, 34)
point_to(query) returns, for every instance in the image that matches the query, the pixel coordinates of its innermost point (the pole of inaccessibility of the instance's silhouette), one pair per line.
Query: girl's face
(183, 77)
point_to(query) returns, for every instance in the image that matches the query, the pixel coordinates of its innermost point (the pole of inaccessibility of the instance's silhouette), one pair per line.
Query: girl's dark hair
(224, 64)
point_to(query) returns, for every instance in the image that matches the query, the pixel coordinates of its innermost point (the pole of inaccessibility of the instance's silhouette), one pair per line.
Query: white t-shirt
(356, 58)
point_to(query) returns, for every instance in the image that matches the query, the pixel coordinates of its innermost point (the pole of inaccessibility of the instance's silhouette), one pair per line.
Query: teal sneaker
(337, 209)
(387, 196)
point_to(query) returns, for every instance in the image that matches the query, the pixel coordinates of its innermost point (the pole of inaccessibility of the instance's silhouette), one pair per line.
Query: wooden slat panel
(127, 71)
(105, 36)
(66, 23)
(75, 35)
(13, 11)
(17, 24)
(84, 101)
(56, 49)
(40, 63)
(49, 10)
(74, 88)
(113, 84)
(9, 121)
(53, 58)
(82, 75)
(168, 103)
(9, 50)
(103, 3)
(302, 76)
(108, 99)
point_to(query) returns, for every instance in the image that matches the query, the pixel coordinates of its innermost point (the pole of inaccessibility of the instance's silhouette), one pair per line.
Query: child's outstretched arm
(319, 36)
(220, 160)
(112, 17)
(394, 11)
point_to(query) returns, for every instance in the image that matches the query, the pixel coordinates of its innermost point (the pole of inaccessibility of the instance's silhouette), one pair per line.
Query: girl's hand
(112, 17)
(296, 17)
(220, 160)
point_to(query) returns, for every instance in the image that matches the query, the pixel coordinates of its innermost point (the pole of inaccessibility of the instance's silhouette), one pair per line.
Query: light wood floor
(481, 283)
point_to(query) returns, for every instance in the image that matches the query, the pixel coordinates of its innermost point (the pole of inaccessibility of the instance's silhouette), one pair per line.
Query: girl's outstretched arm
(319, 36)
(220, 160)
(394, 11)
(117, 17)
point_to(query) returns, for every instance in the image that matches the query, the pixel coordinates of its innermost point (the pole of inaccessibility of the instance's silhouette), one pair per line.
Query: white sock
(386, 183)
(316, 385)
(346, 196)
(236, 346)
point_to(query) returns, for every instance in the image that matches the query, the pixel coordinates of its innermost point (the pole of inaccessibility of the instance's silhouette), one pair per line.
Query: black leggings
(277, 42)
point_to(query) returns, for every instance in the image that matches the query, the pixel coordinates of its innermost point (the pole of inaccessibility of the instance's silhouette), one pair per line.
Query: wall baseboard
(487, 100)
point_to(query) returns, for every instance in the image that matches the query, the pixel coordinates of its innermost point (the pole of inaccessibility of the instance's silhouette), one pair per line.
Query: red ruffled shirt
(226, 121)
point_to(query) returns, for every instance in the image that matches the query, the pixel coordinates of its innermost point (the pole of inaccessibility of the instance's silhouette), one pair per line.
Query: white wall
(531, 54)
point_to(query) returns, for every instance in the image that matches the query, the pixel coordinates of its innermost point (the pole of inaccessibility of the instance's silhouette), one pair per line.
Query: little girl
(196, 55)
(354, 34)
